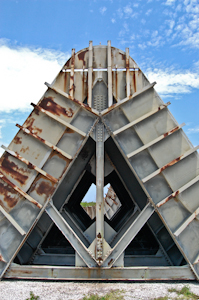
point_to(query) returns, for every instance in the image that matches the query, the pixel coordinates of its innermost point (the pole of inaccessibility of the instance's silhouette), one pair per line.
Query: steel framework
(100, 121)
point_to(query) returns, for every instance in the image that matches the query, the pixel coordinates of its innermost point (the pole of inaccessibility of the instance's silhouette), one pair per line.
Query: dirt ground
(47, 290)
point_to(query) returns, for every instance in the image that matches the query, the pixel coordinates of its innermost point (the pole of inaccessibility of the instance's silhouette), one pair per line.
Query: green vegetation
(113, 295)
(183, 294)
(86, 204)
(33, 297)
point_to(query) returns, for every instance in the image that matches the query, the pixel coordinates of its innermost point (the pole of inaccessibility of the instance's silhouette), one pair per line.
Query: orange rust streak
(16, 188)
(171, 131)
(13, 170)
(29, 125)
(44, 188)
(171, 163)
(49, 105)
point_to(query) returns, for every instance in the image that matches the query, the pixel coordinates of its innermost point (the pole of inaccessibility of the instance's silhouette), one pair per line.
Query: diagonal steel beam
(128, 236)
(71, 236)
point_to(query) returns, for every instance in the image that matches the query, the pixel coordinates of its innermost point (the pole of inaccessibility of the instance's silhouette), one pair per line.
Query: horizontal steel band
(141, 118)
(102, 70)
(59, 120)
(45, 142)
(72, 273)
(30, 165)
(174, 194)
(12, 221)
(20, 191)
(155, 140)
(171, 163)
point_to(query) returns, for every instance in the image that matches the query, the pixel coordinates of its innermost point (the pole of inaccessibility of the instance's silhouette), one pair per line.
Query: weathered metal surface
(68, 273)
(100, 121)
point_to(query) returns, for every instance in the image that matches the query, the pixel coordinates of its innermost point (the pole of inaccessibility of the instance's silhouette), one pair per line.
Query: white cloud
(128, 10)
(103, 10)
(149, 11)
(170, 82)
(170, 2)
(23, 72)
(113, 20)
(193, 130)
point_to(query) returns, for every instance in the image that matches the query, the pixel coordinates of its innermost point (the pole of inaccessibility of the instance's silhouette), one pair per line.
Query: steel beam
(71, 236)
(30, 165)
(130, 273)
(59, 119)
(171, 163)
(187, 222)
(180, 190)
(99, 191)
(90, 73)
(72, 87)
(161, 137)
(141, 118)
(44, 141)
(20, 191)
(146, 88)
(128, 236)
(110, 94)
(12, 221)
(80, 104)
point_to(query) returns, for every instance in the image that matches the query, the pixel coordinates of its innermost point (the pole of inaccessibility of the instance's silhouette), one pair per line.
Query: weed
(33, 297)
(113, 295)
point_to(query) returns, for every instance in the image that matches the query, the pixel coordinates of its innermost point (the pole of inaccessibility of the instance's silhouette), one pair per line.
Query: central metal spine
(99, 191)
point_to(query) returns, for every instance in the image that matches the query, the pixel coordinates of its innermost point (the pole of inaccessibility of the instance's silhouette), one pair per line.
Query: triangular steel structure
(100, 122)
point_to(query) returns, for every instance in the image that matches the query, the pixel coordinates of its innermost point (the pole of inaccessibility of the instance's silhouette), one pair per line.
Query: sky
(36, 38)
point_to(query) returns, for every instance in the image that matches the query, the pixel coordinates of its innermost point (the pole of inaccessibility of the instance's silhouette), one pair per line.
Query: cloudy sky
(36, 38)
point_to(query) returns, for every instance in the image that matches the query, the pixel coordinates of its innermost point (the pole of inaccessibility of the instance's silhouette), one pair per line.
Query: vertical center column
(99, 191)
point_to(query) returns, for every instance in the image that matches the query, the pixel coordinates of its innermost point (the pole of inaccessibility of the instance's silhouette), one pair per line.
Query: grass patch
(113, 295)
(86, 204)
(184, 293)
(33, 297)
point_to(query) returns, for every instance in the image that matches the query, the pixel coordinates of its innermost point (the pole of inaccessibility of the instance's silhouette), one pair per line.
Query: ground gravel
(47, 290)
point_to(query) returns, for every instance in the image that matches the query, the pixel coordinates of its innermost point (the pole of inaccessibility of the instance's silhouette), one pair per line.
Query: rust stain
(29, 125)
(17, 140)
(123, 56)
(13, 170)
(134, 82)
(81, 56)
(48, 104)
(44, 188)
(99, 235)
(110, 262)
(5, 190)
(172, 196)
(171, 131)
(25, 149)
(171, 163)
(116, 84)
(69, 130)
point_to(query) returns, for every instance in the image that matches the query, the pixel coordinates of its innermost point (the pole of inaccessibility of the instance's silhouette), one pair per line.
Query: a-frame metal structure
(100, 121)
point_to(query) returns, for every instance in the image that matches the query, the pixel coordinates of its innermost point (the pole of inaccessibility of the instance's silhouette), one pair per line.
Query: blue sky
(36, 38)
